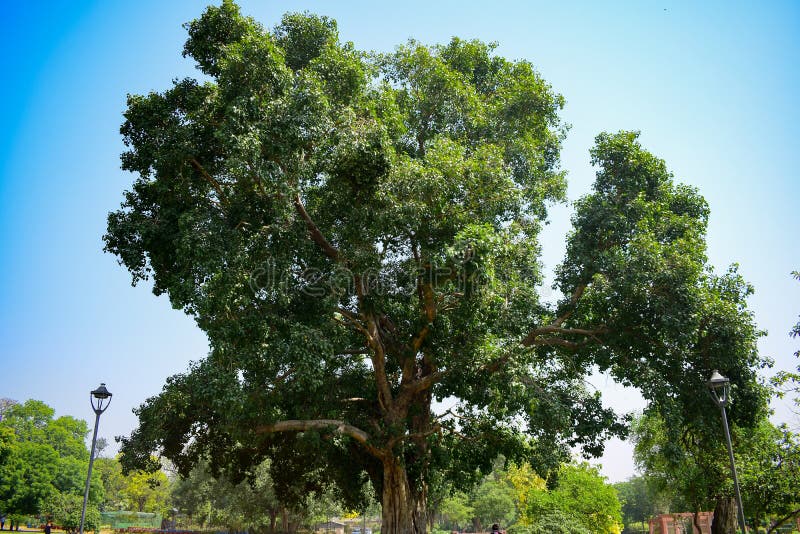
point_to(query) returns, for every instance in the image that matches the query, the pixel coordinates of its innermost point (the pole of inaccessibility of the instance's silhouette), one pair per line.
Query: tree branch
(416, 435)
(314, 232)
(339, 427)
(555, 342)
(354, 322)
(378, 357)
(591, 332)
(416, 343)
(783, 520)
(534, 339)
(555, 326)
(426, 382)
(210, 179)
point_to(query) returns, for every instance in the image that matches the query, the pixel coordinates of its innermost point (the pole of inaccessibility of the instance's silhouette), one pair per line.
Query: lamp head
(100, 398)
(719, 386)
(101, 392)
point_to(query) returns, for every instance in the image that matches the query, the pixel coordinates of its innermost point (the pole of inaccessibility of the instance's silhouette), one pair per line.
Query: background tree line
(44, 459)
(575, 499)
(43, 466)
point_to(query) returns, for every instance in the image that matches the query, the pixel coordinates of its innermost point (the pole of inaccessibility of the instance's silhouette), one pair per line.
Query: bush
(65, 511)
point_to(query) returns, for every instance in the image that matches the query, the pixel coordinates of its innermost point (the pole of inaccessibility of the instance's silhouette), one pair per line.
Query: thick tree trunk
(402, 513)
(724, 516)
(421, 509)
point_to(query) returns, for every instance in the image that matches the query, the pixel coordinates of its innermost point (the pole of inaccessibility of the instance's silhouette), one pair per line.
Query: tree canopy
(43, 460)
(358, 235)
(693, 473)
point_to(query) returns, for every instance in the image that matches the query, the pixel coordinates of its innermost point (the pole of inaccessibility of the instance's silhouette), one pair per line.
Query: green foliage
(552, 522)
(788, 382)
(580, 499)
(638, 248)
(357, 235)
(65, 510)
(639, 500)
(42, 458)
(146, 492)
(688, 471)
(249, 504)
(582, 494)
(695, 474)
(109, 471)
(768, 462)
(456, 511)
(493, 502)
(5, 404)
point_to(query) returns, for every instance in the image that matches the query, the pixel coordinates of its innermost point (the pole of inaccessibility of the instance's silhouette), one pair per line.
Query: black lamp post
(720, 388)
(98, 399)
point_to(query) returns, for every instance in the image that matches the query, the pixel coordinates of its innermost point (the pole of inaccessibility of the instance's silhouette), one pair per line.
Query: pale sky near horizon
(713, 88)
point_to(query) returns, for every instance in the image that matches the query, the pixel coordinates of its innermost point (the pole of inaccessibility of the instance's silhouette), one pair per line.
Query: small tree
(581, 493)
(768, 461)
(493, 502)
(456, 511)
(109, 471)
(146, 492)
(640, 501)
(697, 474)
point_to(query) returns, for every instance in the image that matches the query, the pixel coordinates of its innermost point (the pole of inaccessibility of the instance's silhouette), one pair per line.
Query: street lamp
(98, 399)
(720, 388)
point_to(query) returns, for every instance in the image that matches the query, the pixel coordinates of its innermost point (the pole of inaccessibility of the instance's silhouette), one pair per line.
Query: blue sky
(712, 87)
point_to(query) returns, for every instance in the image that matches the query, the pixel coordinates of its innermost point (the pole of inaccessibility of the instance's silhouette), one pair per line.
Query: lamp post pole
(720, 393)
(97, 398)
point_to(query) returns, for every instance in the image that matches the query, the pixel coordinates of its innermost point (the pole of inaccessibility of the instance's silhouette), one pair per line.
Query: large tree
(357, 234)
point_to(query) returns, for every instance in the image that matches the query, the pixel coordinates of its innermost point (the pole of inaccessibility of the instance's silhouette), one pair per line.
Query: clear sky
(712, 87)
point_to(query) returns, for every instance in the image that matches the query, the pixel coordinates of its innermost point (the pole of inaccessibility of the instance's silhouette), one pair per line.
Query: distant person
(496, 529)
(2, 521)
(48, 527)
